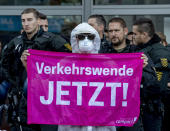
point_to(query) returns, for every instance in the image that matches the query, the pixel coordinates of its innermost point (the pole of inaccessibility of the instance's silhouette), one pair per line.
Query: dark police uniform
(154, 109)
(16, 74)
(168, 47)
(166, 100)
(148, 83)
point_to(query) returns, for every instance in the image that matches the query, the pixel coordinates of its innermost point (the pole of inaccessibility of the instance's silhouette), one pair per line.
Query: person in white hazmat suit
(85, 39)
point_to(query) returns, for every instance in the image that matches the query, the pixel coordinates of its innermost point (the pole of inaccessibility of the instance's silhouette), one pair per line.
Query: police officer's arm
(7, 55)
(149, 78)
(50, 42)
(1, 73)
(60, 45)
(168, 84)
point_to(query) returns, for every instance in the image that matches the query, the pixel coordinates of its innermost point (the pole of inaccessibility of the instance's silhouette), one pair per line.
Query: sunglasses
(83, 36)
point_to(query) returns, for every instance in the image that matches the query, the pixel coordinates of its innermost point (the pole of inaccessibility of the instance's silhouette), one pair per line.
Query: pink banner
(84, 89)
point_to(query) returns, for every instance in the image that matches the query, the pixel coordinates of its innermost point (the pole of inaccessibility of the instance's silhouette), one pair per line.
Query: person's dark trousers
(25, 128)
(49, 127)
(166, 119)
(138, 126)
(151, 121)
(1, 109)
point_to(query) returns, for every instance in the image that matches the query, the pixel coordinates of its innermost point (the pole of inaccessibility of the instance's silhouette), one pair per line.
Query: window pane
(161, 22)
(10, 26)
(130, 2)
(40, 2)
(58, 23)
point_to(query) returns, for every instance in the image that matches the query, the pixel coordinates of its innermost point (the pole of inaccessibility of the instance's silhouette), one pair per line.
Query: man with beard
(117, 32)
(117, 35)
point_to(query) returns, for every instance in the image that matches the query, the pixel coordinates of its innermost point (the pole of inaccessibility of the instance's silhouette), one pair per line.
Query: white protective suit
(85, 28)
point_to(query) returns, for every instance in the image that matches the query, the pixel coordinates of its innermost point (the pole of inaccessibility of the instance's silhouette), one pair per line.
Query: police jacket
(160, 57)
(1, 73)
(149, 83)
(11, 53)
(168, 47)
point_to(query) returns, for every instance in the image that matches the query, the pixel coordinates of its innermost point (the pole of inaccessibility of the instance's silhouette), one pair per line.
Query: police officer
(33, 37)
(99, 23)
(166, 119)
(149, 42)
(43, 21)
(117, 35)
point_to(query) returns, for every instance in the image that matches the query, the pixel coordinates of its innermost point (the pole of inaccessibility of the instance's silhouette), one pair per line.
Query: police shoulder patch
(159, 75)
(68, 46)
(164, 62)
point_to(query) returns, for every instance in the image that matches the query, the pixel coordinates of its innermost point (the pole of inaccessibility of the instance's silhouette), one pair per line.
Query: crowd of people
(95, 36)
